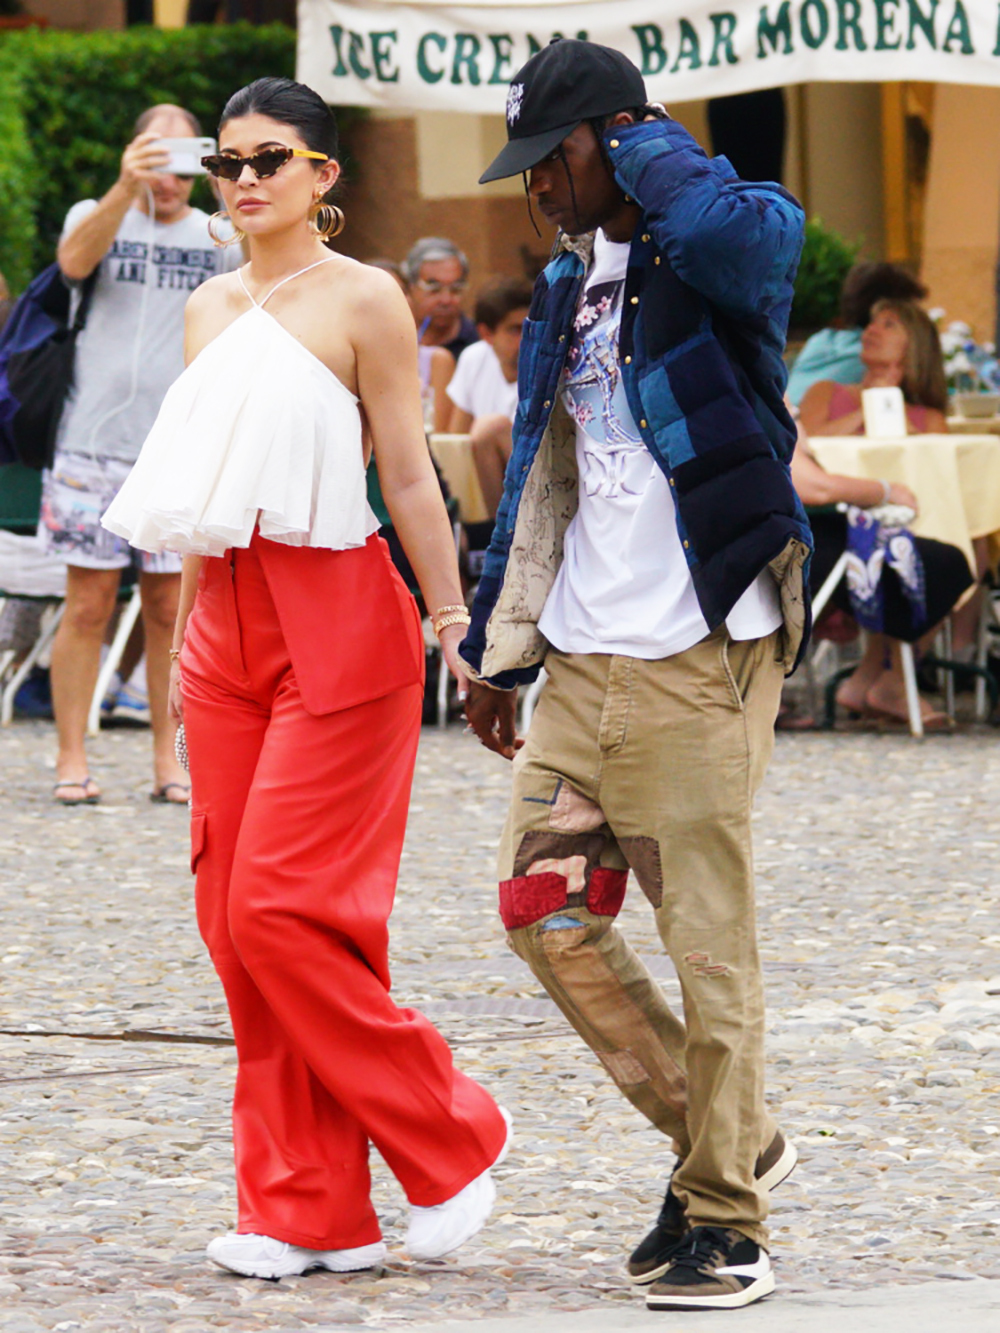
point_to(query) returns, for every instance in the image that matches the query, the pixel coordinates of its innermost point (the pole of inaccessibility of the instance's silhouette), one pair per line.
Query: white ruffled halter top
(257, 432)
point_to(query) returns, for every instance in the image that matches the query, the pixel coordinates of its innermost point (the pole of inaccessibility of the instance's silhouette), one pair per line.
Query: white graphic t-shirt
(132, 347)
(624, 585)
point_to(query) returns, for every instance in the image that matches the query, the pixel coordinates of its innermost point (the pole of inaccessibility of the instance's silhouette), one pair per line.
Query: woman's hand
(175, 694)
(902, 495)
(449, 638)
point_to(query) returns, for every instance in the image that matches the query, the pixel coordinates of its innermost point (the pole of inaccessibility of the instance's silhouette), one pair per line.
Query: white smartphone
(185, 155)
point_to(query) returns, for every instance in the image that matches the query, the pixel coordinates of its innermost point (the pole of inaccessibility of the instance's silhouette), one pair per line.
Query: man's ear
(485, 332)
(622, 118)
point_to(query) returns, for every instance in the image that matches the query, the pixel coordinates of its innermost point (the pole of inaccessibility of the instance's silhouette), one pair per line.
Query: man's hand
(140, 161)
(491, 715)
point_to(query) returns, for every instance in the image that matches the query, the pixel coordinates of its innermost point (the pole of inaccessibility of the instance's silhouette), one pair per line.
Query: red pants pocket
(198, 822)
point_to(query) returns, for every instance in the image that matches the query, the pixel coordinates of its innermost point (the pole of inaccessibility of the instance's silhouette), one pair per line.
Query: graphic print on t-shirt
(615, 460)
(174, 266)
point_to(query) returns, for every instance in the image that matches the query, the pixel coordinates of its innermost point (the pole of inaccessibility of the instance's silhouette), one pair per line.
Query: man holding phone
(145, 249)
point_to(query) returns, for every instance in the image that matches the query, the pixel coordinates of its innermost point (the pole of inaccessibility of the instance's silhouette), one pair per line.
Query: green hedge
(826, 257)
(68, 102)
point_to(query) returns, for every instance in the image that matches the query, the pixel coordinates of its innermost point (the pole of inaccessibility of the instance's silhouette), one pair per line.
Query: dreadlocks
(599, 125)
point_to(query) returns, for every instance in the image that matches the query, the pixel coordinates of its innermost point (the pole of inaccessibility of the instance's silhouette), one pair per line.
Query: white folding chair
(48, 632)
(26, 570)
(112, 659)
(826, 591)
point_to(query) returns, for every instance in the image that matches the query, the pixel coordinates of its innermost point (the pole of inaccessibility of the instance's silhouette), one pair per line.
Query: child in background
(483, 389)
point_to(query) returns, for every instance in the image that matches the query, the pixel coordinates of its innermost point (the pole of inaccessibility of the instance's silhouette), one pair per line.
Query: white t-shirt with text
(132, 347)
(624, 585)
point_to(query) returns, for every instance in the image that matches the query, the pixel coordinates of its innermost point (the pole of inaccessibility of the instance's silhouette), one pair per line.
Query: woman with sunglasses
(299, 680)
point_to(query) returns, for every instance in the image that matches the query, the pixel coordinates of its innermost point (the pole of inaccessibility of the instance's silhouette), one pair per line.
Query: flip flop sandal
(84, 783)
(160, 795)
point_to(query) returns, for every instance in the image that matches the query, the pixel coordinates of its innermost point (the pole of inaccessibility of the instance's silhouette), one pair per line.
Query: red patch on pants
(528, 898)
(525, 900)
(606, 891)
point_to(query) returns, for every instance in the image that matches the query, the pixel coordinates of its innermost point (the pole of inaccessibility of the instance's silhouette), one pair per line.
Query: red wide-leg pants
(297, 827)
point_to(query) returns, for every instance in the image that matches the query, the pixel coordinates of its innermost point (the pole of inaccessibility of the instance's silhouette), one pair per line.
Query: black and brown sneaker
(652, 1256)
(776, 1163)
(713, 1269)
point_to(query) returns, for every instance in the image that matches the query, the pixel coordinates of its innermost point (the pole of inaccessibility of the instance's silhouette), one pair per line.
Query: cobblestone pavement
(877, 861)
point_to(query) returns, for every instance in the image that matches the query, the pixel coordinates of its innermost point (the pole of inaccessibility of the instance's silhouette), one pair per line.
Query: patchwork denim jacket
(706, 302)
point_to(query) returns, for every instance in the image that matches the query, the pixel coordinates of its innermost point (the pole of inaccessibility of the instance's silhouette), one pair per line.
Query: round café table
(956, 479)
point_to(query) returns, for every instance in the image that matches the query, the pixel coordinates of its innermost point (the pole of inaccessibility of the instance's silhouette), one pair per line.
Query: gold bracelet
(454, 618)
(174, 654)
(447, 610)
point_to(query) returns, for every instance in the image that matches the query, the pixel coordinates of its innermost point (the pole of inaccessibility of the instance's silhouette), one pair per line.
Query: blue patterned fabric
(706, 304)
(873, 547)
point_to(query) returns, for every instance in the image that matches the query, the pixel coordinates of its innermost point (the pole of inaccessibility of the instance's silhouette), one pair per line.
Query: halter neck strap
(261, 304)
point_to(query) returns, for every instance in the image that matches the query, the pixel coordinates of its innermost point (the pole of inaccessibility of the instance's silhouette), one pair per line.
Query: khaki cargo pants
(653, 766)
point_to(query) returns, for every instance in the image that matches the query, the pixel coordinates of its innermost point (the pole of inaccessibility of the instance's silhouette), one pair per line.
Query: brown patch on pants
(604, 991)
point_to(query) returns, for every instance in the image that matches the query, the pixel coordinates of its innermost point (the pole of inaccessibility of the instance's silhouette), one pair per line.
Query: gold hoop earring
(329, 221)
(233, 239)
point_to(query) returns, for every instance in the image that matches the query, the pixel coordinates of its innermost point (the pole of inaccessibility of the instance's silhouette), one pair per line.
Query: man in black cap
(650, 549)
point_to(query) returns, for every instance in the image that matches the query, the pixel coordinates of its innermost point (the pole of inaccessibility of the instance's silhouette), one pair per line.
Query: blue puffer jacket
(706, 303)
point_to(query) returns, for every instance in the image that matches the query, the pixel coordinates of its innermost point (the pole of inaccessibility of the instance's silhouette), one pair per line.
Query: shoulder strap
(246, 290)
(307, 269)
(86, 292)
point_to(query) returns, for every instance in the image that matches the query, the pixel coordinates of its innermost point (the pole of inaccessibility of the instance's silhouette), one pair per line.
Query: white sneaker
(263, 1256)
(436, 1231)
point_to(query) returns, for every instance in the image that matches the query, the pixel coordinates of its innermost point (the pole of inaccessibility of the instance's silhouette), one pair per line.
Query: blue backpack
(36, 367)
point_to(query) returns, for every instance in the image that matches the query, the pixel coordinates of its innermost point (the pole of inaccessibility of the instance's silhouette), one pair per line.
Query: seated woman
(835, 353)
(876, 687)
(899, 347)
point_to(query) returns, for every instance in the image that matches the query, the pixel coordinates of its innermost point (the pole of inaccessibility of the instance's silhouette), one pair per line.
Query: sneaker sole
(782, 1168)
(735, 1300)
(274, 1272)
(644, 1279)
(297, 1268)
(366, 1257)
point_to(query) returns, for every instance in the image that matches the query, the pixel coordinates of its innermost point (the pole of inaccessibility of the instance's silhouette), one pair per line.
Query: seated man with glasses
(437, 276)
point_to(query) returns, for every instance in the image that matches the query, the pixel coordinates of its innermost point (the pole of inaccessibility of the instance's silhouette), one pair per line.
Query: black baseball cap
(565, 83)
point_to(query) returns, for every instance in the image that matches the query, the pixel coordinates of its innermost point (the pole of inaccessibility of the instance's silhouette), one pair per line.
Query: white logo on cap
(514, 99)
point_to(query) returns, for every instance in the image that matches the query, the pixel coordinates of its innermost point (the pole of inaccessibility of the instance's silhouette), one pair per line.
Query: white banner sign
(429, 56)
